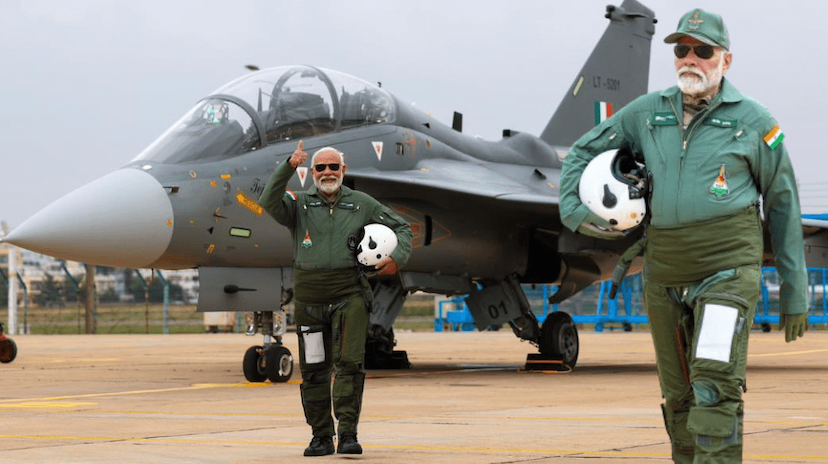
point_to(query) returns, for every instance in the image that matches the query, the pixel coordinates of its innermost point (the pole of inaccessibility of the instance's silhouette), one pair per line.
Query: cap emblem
(694, 21)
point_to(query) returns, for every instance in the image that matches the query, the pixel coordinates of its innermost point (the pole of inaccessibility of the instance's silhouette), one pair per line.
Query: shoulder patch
(291, 194)
(774, 137)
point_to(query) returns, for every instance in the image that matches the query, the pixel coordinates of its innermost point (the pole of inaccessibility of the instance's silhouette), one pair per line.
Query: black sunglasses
(321, 167)
(704, 52)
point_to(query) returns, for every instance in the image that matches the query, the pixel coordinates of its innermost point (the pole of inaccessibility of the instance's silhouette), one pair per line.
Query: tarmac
(184, 399)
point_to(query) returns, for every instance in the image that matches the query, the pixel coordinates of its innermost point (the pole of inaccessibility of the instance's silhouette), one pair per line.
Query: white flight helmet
(614, 187)
(376, 242)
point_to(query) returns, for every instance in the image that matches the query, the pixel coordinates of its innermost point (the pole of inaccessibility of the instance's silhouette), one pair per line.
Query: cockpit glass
(361, 103)
(299, 105)
(286, 103)
(214, 129)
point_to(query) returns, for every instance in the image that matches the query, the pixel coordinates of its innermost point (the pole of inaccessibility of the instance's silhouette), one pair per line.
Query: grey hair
(327, 149)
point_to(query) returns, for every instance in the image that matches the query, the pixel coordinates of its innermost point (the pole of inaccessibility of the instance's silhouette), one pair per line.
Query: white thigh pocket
(314, 347)
(716, 334)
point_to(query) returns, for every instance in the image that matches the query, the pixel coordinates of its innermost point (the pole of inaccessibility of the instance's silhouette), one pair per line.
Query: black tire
(379, 351)
(253, 365)
(279, 364)
(8, 351)
(766, 327)
(559, 337)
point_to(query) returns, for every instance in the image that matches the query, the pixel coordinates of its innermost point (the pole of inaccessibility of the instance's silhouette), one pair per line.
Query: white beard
(328, 188)
(698, 83)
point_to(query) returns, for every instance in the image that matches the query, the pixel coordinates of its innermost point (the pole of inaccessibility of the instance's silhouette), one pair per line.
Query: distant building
(33, 269)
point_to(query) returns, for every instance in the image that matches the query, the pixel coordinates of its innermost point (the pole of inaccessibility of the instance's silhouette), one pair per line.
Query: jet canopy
(270, 106)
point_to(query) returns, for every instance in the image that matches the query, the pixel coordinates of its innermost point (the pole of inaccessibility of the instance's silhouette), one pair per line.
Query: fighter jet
(484, 213)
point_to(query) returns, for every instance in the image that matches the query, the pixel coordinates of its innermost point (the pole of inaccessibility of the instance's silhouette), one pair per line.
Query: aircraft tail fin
(615, 74)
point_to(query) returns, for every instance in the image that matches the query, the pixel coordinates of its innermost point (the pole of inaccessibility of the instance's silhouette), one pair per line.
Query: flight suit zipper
(685, 139)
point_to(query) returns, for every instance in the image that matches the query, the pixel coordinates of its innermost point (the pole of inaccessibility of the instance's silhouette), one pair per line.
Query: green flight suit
(331, 296)
(704, 249)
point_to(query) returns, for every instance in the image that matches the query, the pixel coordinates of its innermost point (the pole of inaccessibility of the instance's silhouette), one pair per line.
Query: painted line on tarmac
(44, 405)
(195, 441)
(785, 353)
(457, 449)
(198, 386)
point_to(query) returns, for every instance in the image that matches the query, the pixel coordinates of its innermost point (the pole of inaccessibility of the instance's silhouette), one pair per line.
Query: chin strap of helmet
(624, 262)
(637, 248)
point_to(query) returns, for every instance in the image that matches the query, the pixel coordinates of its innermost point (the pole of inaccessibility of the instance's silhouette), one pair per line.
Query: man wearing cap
(331, 295)
(711, 153)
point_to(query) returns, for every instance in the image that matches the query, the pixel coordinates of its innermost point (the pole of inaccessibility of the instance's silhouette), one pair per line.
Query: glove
(598, 227)
(795, 325)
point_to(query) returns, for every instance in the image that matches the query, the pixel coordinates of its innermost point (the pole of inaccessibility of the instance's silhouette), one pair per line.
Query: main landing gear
(505, 301)
(8, 349)
(270, 361)
(559, 338)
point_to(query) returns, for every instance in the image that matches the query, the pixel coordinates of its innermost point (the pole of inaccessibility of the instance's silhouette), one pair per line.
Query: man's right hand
(598, 227)
(298, 156)
(795, 325)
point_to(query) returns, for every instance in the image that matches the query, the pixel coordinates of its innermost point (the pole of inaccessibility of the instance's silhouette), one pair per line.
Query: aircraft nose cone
(123, 219)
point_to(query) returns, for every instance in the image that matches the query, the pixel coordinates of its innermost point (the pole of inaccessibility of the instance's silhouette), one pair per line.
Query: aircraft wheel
(279, 364)
(254, 365)
(766, 327)
(377, 354)
(559, 337)
(8, 350)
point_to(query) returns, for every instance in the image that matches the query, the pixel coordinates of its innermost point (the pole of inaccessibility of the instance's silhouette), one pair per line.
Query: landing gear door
(493, 305)
(242, 288)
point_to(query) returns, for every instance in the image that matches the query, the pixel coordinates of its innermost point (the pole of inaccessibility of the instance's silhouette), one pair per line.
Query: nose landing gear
(271, 361)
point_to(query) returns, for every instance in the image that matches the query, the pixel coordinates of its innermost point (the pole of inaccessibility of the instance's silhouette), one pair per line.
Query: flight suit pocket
(718, 329)
(721, 333)
(711, 421)
(313, 343)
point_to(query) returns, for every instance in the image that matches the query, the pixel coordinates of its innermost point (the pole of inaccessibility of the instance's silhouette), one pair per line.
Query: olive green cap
(703, 26)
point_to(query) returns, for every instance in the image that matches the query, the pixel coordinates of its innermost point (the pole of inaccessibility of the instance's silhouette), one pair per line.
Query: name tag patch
(717, 122)
(664, 119)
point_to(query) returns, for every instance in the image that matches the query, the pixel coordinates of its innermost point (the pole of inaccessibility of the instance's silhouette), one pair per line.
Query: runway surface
(184, 399)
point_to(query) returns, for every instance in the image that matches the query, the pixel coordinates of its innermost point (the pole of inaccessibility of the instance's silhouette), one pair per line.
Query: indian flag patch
(719, 186)
(307, 243)
(774, 137)
(603, 110)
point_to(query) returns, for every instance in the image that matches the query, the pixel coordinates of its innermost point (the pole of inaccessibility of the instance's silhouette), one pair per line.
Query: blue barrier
(817, 278)
(459, 319)
(630, 292)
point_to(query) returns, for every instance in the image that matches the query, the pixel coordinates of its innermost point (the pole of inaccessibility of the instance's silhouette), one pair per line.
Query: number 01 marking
(496, 310)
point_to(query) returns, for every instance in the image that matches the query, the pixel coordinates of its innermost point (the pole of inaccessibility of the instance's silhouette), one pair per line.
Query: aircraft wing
(455, 178)
(815, 233)
(813, 223)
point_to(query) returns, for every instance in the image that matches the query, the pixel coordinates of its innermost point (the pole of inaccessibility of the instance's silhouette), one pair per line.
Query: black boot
(320, 446)
(348, 444)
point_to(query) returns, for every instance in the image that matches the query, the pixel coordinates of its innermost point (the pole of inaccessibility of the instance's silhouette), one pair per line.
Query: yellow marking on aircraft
(249, 203)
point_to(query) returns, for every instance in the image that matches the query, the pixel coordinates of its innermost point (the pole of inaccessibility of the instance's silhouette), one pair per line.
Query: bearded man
(710, 153)
(331, 295)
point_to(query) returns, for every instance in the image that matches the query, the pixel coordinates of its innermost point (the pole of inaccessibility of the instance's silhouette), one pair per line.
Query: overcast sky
(87, 84)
